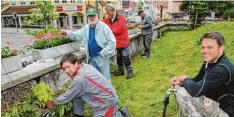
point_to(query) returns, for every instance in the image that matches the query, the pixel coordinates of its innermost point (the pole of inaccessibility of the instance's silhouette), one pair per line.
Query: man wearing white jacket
(100, 43)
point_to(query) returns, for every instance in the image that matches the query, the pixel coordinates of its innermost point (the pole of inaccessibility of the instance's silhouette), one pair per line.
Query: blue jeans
(102, 65)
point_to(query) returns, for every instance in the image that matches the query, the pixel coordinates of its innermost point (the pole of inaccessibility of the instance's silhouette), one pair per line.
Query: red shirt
(119, 29)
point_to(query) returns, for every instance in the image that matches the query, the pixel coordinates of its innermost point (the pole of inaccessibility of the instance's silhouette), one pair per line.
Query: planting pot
(11, 64)
(55, 52)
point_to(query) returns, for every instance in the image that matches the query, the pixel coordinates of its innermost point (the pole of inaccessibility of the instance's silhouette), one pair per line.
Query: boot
(124, 111)
(119, 72)
(75, 115)
(143, 54)
(130, 75)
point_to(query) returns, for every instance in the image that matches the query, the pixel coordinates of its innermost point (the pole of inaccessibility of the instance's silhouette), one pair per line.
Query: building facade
(71, 12)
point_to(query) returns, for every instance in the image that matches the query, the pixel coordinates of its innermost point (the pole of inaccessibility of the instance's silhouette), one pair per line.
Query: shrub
(43, 41)
(41, 31)
(166, 19)
(7, 52)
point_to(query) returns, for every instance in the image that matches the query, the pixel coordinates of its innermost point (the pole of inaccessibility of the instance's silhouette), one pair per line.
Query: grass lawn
(176, 53)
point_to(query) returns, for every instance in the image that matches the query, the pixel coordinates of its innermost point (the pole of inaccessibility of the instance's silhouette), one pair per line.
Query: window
(79, 1)
(64, 1)
(72, 1)
(22, 2)
(56, 1)
(32, 2)
(13, 2)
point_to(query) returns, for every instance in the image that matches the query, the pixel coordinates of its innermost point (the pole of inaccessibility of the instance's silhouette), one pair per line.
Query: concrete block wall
(15, 84)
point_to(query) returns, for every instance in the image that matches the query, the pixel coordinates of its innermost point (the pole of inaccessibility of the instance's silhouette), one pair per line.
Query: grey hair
(109, 7)
(214, 35)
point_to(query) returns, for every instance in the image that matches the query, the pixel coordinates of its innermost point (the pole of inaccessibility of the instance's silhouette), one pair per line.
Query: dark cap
(140, 11)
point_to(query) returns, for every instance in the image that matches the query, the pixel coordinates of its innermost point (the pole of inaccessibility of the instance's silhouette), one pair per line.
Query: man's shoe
(119, 73)
(146, 56)
(130, 75)
(143, 54)
(124, 111)
(75, 115)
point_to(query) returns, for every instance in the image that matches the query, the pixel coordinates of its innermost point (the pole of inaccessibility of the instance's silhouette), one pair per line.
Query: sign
(69, 8)
(79, 8)
(212, 14)
(59, 8)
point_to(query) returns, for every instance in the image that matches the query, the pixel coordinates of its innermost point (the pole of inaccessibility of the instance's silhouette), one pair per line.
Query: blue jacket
(103, 35)
(215, 81)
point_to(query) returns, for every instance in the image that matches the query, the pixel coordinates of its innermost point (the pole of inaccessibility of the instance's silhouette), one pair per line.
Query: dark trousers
(147, 43)
(123, 59)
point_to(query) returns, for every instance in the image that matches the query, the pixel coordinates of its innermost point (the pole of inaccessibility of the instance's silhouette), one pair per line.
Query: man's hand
(176, 81)
(140, 27)
(63, 32)
(182, 77)
(51, 104)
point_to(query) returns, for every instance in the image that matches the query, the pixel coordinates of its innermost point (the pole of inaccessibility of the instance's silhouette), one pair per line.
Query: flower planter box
(11, 64)
(55, 52)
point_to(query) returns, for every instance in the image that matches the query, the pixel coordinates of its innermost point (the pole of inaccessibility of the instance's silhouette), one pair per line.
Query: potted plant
(11, 60)
(52, 45)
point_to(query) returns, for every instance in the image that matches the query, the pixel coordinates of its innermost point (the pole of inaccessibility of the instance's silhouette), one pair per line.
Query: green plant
(43, 94)
(43, 12)
(166, 19)
(51, 42)
(41, 31)
(63, 110)
(7, 52)
(22, 110)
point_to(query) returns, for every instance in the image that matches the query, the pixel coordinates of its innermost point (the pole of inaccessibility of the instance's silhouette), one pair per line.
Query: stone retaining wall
(13, 85)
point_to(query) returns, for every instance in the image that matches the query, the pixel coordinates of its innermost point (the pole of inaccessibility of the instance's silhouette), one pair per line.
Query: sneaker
(119, 73)
(146, 56)
(130, 75)
(124, 111)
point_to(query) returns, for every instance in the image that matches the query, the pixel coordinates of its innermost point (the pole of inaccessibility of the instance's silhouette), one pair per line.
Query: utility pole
(15, 18)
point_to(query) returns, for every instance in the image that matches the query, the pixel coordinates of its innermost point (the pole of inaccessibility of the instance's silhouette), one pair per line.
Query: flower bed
(10, 60)
(51, 45)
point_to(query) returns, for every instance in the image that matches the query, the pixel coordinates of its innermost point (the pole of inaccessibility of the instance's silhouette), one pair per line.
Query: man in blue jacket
(211, 92)
(100, 42)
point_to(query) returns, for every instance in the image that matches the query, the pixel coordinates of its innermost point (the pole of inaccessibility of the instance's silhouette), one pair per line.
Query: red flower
(9, 43)
(13, 52)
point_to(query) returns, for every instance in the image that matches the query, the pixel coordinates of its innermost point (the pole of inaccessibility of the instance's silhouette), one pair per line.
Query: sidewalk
(12, 30)
(16, 38)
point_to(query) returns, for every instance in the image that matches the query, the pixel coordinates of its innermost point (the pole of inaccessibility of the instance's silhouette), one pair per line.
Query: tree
(226, 9)
(140, 5)
(43, 12)
(197, 10)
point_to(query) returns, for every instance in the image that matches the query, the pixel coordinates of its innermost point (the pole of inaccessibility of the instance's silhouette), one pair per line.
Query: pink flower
(49, 35)
(9, 43)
